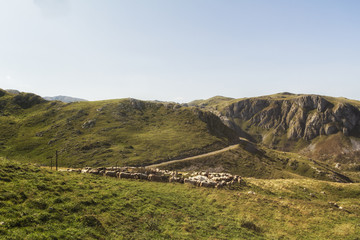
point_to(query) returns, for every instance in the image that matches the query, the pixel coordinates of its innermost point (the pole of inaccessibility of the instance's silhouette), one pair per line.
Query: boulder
(330, 129)
(89, 123)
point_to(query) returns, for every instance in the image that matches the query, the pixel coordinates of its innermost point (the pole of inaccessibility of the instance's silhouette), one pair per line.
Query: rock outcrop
(27, 100)
(89, 123)
(216, 126)
(306, 116)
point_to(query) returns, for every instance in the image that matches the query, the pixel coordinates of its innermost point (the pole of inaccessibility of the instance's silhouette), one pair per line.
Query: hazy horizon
(181, 102)
(180, 50)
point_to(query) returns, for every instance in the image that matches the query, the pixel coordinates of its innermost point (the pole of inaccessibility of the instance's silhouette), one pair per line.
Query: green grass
(126, 131)
(249, 160)
(133, 132)
(41, 204)
(213, 103)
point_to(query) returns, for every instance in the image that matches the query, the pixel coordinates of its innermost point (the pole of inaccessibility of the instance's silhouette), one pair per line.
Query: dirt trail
(194, 157)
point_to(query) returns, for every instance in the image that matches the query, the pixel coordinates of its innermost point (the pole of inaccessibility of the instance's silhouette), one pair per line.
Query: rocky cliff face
(306, 116)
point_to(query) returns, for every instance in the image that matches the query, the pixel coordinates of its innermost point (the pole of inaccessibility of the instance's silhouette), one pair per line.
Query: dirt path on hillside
(194, 157)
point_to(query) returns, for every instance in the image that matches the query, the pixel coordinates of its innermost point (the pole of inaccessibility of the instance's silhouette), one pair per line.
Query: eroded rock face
(137, 104)
(313, 102)
(217, 126)
(304, 117)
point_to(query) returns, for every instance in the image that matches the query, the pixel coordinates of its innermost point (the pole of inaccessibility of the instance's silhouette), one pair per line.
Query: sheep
(110, 173)
(124, 175)
(94, 171)
(176, 179)
(139, 176)
(191, 181)
(158, 178)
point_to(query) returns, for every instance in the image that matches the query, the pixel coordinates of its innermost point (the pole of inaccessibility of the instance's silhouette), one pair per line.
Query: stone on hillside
(89, 123)
(137, 104)
(338, 165)
(330, 129)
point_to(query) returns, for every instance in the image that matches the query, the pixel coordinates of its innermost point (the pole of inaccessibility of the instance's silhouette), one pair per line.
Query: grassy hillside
(41, 204)
(123, 132)
(211, 102)
(133, 132)
(249, 160)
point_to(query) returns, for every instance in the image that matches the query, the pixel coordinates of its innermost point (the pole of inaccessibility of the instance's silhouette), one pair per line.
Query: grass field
(41, 204)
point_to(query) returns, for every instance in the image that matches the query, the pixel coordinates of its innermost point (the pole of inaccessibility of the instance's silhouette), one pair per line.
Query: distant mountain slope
(141, 133)
(103, 133)
(13, 91)
(209, 102)
(322, 127)
(305, 116)
(65, 99)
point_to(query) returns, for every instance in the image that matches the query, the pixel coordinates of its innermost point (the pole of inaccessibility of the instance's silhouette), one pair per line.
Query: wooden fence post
(56, 159)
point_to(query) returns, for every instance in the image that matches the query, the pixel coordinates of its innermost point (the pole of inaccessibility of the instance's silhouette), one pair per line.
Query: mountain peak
(65, 99)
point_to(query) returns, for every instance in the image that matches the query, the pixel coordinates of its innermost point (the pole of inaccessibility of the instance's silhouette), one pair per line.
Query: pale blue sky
(180, 50)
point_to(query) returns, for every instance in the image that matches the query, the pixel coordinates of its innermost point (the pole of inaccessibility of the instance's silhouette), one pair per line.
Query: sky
(180, 50)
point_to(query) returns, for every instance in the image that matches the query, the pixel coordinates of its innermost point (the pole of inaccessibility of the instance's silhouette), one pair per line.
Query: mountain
(13, 91)
(141, 133)
(319, 127)
(103, 133)
(64, 99)
(209, 102)
(41, 203)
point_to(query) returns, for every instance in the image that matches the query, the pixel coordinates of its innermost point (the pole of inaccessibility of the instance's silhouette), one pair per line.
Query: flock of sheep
(201, 179)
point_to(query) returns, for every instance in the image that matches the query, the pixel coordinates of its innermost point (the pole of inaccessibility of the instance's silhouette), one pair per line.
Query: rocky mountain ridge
(139, 133)
(306, 116)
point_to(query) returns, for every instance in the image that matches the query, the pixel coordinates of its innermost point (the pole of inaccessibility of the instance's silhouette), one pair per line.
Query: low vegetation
(249, 160)
(42, 204)
(105, 133)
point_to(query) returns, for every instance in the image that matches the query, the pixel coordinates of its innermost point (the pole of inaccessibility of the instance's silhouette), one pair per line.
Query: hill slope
(321, 127)
(41, 204)
(140, 133)
(248, 160)
(125, 131)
